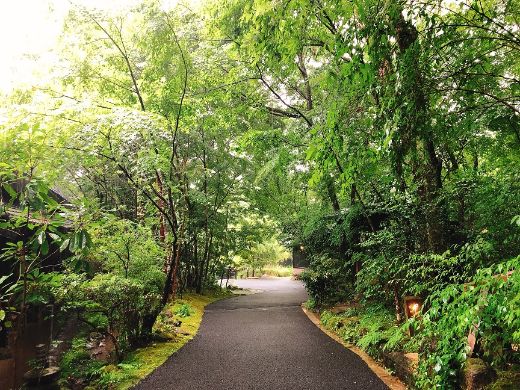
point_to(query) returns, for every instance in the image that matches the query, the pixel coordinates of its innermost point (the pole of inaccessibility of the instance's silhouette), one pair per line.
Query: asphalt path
(262, 341)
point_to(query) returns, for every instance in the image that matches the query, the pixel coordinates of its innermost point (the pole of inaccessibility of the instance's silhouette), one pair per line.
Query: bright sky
(29, 30)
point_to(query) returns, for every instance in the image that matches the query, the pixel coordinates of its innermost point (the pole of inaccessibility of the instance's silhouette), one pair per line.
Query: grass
(278, 271)
(141, 362)
(274, 270)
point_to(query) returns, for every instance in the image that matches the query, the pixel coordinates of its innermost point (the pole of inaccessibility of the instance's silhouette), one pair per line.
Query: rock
(102, 350)
(41, 376)
(476, 374)
(403, 364)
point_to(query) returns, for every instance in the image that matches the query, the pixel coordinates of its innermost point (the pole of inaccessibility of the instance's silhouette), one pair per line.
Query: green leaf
(10, 190)
(78, 239)
(41, 237)
(45, 247)
(3, 279)
(64, 245)
(88, 239)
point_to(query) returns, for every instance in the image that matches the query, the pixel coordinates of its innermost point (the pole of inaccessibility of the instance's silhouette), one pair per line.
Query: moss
(475, 364)
(506, 380)
(141, 362)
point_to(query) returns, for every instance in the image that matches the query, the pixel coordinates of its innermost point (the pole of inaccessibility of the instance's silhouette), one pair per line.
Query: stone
(43, 376)
(476, 374)
(403, 364)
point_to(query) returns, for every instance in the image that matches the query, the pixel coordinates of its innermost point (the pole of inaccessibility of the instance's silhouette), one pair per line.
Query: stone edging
(391, 381)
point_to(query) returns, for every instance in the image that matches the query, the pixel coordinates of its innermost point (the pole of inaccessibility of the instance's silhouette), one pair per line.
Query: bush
(327, 280)
(110, 304)
(489, 306)
(371, 328)
(420, 274)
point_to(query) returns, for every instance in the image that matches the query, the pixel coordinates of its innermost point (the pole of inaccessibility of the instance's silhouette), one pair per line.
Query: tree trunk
(148, 322)
(397, 304)
(426, 166)
(175, 272)
(207, 257)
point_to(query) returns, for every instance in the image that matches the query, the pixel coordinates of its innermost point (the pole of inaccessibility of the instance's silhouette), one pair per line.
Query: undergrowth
(371, 327)
(79, 368)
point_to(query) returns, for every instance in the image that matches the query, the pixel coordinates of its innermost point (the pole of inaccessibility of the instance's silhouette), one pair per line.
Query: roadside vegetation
(78, 366)
(171, 146)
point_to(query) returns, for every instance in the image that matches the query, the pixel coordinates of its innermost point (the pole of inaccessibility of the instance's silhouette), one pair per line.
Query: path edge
(391, 381)
(134, 383)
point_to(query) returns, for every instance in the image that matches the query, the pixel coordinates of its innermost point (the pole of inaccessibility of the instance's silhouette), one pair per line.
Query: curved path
(262, 341)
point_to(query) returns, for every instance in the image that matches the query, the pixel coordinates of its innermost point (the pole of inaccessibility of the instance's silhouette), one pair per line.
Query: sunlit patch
(30, 30)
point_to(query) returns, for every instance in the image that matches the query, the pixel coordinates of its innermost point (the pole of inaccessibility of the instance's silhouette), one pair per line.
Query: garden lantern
(412, 306)
(412, 309)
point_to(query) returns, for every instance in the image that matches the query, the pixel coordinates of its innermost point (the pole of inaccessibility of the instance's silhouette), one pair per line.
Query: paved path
(262, 341)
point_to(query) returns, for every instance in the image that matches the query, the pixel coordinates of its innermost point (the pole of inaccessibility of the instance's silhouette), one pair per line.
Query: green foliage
(420, 274)
(114, 305)
(33, 222)
(371, 327)
(260, 255)
(278, 271)
(311, 304)
(77, 363)
(382, 137)
(112, 375)
(184, 310)
(327, 281)
(488, 307)
(127, 249)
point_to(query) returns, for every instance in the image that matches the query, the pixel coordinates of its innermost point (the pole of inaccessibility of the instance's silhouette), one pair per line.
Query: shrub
(371, 328)
(110, 304)
(489, 306)
(327, 281)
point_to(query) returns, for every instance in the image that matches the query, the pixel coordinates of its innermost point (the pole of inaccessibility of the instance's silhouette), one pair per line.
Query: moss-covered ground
(141, 362)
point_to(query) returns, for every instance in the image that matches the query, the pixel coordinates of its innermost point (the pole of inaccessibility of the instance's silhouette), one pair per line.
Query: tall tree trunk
(175, 279)
(207, 257)
(427, 166)
(160, 202)
(196, 262)
(331, 191)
